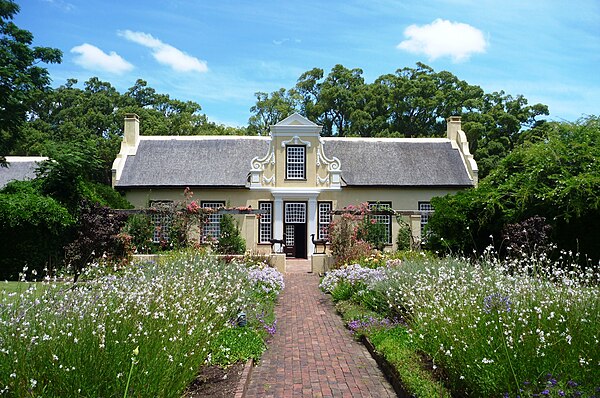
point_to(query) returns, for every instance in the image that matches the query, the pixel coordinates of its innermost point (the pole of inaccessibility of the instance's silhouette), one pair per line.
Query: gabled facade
(296, 176)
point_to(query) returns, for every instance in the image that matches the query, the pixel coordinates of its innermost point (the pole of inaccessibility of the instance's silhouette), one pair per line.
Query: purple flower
(496, 302)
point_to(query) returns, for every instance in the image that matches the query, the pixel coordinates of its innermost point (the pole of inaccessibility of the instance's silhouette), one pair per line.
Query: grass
(526, 328)
(144, 332)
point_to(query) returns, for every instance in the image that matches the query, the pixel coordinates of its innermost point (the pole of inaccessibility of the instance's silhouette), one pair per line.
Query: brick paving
(313, 354)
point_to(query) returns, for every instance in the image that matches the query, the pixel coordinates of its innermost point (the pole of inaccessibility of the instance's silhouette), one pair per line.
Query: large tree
(94, 114)
(555, 175)
(412, 102)
(20, 75)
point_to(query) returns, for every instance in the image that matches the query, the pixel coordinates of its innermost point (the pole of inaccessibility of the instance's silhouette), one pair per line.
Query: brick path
(313, 354)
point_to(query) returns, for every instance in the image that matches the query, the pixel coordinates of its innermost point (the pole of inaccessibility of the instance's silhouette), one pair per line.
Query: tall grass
(503, 330)
(142, 333)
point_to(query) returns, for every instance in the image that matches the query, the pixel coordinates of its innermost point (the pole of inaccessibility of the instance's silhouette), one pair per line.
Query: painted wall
(401, 198)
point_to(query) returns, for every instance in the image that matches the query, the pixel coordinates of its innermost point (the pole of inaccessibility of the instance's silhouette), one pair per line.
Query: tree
(20, 77)
(271, 109)
(94, 114)
(556, 177)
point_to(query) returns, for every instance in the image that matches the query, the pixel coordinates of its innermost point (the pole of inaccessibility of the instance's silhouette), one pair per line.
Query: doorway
(294, 227)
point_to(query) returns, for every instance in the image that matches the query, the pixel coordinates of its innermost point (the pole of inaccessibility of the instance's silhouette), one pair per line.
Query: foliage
(491, 329)
(141, 230)
(412, 102)
(163, 318)
(528, 236)
(94, 114)
(372, 232)
(96, 236)
(395, 346)
(404, 238)
(34, 229)
(20, 75)
(231, 240)
(555, 177)
(236, 344)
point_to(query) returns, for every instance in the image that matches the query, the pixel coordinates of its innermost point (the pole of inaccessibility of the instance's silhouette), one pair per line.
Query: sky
(218, 53)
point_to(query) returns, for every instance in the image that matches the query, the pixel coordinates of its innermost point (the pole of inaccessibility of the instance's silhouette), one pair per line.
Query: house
(19, 168)
(295, 176)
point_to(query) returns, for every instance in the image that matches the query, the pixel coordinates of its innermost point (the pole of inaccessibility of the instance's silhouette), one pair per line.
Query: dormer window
(295, 162)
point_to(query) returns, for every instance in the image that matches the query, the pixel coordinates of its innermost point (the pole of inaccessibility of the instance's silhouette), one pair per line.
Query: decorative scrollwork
(295, 140)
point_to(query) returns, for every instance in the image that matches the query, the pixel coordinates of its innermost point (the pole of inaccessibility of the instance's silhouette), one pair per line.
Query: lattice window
(295, 213)
(161, 218)
(426, 210)
(212, 227)
(265, 223)
(295, 168)
(324, 219)
(383, 218)
(289, 235)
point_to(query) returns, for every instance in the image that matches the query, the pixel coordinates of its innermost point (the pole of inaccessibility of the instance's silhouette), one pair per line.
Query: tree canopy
(412, 102)
(555, 175)
(20, 76)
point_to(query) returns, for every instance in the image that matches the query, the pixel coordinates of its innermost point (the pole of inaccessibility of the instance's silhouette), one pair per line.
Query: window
(212, 227)
(384, 219)
(324, 220)
(426, 209)
(295, 162)
(161, 218)
(265, 222)
(295, 213)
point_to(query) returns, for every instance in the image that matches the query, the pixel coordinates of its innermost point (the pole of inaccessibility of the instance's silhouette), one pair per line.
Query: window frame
(161, 219)
(425, 214)
(321, 225)
(386, 217)
(287, 163)
(262, 223)
(213, 220)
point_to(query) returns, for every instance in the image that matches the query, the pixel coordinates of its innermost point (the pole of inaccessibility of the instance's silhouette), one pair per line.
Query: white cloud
(443, 38)
(165, 53)
(92, 58)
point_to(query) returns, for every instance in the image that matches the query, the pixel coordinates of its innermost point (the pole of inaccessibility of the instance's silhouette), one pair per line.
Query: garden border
(390, 373)
(242, 387)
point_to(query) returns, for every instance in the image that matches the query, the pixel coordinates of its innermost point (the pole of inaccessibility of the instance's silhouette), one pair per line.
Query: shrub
(141, 230)
(230, 241)
(34, 229)
(96, 236)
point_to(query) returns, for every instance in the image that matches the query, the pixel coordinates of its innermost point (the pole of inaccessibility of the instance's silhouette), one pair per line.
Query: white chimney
(131, 134)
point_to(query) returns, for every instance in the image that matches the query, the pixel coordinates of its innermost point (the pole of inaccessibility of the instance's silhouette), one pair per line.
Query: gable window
(384, 219)
(295, 162)
(161, 219)
(265, 222)
(212, 226)
(324, 219)
(426, 210)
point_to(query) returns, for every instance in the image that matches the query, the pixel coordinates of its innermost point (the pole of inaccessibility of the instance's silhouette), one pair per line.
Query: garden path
(313, 354)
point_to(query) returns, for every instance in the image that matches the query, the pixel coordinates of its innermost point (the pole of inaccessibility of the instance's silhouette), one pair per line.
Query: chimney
(131, 135)
(453, 127)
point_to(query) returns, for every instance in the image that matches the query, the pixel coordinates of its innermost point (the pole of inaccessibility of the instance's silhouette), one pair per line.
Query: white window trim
(265, 222)
(212, 226)
(290, 172)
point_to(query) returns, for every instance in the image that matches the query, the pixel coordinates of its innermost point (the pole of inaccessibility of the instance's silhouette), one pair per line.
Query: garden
(524, 324)
(144, 329)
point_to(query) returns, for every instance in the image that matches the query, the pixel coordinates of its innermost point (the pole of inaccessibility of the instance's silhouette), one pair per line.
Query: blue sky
(219, 53)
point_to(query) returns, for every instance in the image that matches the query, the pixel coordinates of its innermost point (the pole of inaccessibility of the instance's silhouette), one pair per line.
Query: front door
(294, 228)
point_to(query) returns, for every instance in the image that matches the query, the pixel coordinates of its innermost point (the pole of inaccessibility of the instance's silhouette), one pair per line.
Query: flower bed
(144, 332)
(489, 331)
